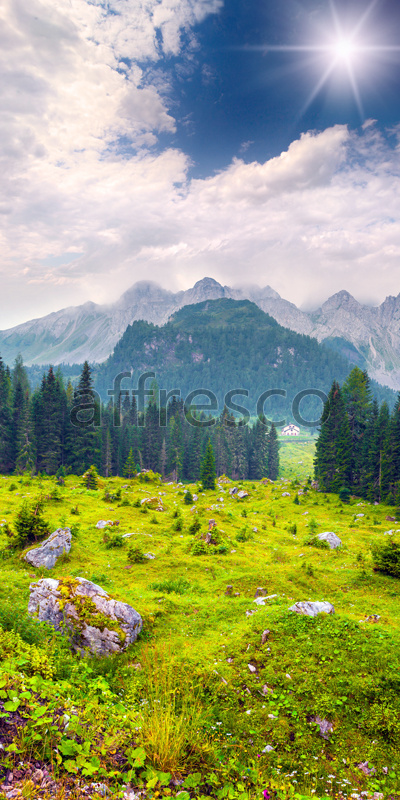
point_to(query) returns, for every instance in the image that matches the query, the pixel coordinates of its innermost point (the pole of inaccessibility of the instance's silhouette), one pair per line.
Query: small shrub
(136, 555)
(178, 525)
(154, 520)
(194, 527)
(75, 529)
(144, 509)
(244, 512)
(75, 510)
(292, 528)
(344, 494)
(12, 487)
(313, 526)
(188, 498)
(114, 541)
(90, 478)
(112, 497)
(136, 503)
(313, 541)
(198, 548)
(244, 535)
(124, 502)
(296, 500)
(387, 558)
(30, 525)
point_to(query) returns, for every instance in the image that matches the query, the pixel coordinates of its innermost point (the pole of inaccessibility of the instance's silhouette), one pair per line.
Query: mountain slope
(364, 335)
(222, 345)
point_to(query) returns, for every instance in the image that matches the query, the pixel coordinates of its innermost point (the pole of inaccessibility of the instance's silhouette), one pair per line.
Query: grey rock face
(311, 609)
(50, 550)
(369, 334)
(331, 539)
(93, 620)
(325, 727)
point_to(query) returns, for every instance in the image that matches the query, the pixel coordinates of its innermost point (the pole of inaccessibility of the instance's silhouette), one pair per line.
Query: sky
(168, 140)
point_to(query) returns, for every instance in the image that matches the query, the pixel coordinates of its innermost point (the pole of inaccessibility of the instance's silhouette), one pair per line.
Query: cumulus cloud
(82, 174)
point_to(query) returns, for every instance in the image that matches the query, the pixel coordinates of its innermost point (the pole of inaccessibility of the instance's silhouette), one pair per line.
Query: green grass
(189, 671)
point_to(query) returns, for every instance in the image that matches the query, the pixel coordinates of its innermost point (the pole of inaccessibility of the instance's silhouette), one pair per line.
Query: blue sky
(172, 139)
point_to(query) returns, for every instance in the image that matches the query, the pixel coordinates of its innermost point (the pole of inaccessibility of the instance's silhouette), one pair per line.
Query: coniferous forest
(61, 427)
(358, 448)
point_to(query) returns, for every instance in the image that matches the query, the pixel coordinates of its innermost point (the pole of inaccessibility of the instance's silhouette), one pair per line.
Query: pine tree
(273, 453)
(6, 444)
(85, 446)
(333, 448)
(207, 471)
(129, 467)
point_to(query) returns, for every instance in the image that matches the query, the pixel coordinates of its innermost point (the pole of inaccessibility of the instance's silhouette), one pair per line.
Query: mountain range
(366, 335)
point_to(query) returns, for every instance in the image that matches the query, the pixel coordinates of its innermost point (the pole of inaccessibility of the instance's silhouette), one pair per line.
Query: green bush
(177, 585)
(387, 558)
(344, 494)
(90, 478)
(29, 525)
(114, 542)
(136, 555)
(198, 548)
(194, 527)
(188, 498)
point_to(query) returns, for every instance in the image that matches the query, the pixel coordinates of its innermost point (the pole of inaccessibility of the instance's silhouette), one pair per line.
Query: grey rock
(268, 749)
(234, 490)
(264, 636)
(47, 554)
(229, 591)
(285, 494)
(311, 609)
(150, 556)
(72, 606)
(325, 727)
(331, 539)
(260, 592)
(242, 494)
(102, 523)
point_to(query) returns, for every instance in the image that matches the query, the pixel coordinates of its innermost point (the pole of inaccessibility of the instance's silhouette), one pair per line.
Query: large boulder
(93, 620)
(331, 539)
(51, 549)
(311, 609)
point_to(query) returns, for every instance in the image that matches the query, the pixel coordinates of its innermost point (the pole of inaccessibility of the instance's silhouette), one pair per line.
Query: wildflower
(267, 796)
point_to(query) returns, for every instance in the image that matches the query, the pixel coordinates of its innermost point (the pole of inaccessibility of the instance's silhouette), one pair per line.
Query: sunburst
(340, 51)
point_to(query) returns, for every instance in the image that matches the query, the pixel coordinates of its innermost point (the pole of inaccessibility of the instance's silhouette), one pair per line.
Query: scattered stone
(211, 524)
(331, 538)
(250, 613)
(195, 498)
(266, 690)
(285, 494)
(391, 519)
(268, 749)
(366, 769)
(102, 523)
(260, 592)
(360, 515)
(50, 550)
(229, 591)
(264, 636)
(234, 490)
(373, 618)
(261, 600)
(150, 556)
(154, 503)
(311, 609)
(230, 660)
(242, 494)
(252, 668)
(236, 594)
(95, 621)
(127, 535)
(325, 727)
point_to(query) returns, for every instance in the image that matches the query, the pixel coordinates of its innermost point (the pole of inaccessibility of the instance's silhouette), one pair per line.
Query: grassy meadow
(203, 704)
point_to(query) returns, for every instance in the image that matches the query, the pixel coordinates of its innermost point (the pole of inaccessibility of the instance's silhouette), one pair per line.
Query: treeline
(59, 426)
(358, 448)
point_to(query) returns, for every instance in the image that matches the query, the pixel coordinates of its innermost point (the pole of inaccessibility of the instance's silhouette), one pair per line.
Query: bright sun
(344, 49)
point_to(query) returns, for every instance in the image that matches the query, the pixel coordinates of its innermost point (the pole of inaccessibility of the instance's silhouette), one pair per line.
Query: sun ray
(356, 92)
(317, 88)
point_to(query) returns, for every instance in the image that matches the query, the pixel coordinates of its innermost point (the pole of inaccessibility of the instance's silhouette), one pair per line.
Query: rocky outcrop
(48, 553)
(94, 621)
(312, 608)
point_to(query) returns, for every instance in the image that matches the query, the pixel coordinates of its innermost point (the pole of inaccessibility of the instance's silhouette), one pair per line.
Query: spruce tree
(333, 448)
(207, 471)
(130, 467)
(273, 453)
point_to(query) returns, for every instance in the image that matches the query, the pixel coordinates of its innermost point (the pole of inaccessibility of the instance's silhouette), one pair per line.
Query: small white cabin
(290, 430)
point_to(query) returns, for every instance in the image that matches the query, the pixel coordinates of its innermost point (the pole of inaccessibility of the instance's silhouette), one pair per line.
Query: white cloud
(322, 216)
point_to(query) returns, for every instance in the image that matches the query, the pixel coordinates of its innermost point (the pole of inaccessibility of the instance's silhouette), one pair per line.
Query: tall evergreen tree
(207, 471)
(333, 448)
(273, 453)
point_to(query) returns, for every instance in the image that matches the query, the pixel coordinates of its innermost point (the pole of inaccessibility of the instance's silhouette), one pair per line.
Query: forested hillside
(225, 344)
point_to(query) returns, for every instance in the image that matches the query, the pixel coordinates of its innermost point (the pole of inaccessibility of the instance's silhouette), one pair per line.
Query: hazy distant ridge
(369, 336)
